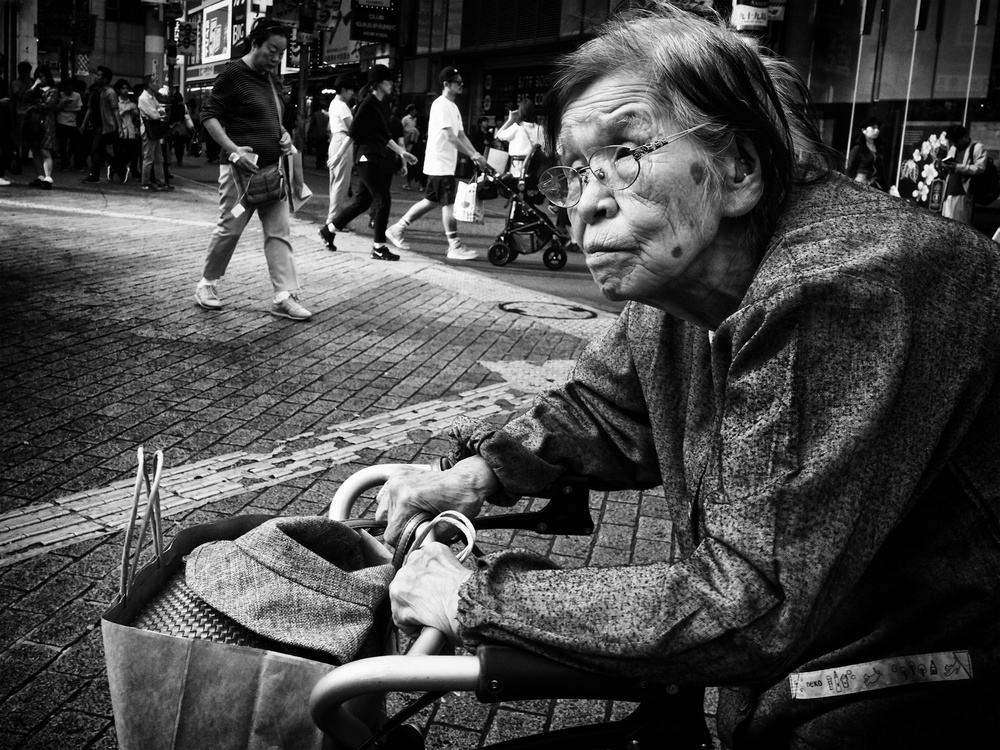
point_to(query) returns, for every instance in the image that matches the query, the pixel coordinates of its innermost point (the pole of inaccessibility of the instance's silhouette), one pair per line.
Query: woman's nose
(597, 202)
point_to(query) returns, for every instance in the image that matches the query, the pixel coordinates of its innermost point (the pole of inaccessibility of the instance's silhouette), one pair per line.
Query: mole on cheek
(697, 173)
(677, 252)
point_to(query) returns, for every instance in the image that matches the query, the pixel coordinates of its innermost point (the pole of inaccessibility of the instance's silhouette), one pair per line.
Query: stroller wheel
(500, 254)
(554, 258)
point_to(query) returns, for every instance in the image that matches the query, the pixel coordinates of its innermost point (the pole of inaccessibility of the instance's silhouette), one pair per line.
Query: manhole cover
(551, 310)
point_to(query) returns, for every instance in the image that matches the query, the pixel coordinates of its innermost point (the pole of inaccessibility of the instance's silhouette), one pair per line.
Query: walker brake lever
(566, 513)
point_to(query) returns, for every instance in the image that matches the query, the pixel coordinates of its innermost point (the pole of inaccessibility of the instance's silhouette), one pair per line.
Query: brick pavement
(104, 350)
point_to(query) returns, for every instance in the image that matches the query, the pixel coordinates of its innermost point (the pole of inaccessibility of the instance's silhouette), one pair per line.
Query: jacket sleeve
(596, 425)
(976, 161)
(799, 489)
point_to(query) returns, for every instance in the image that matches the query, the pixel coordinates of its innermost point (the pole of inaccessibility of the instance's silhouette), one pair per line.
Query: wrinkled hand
(464, 488)
(425, 591)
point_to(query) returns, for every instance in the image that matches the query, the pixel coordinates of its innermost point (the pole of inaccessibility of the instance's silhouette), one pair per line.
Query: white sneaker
(291, 309)
(395, 235)
(460, 252)
(207, 297)
(4, 183)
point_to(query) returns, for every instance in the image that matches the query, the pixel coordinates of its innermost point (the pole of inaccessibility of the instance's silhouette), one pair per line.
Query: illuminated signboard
(215, 38)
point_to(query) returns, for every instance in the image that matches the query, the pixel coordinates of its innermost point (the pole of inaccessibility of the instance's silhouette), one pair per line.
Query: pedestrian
(85, 139)
(340, 153)
(964, 160)
(445, 138)
(482, 136)
(180, 133)
(522, 133)
(411, 138)
(865, 163)
(129, 138)
(319, 130)
(243, 115)
(40, 125)
(67, 123)
(818, 400)
(153, 127)
(373, 146)
(19, 89)
(6, 124)
(393, 163)
(102, 112)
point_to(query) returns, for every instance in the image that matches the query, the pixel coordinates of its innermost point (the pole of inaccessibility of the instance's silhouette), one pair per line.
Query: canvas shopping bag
(468, 206)
(177, 690)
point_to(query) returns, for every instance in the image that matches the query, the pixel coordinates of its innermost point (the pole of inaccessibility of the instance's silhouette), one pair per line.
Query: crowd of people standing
(111, 131)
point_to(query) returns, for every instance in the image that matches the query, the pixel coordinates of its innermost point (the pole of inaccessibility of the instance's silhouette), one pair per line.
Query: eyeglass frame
(637, 153)
(459, 81)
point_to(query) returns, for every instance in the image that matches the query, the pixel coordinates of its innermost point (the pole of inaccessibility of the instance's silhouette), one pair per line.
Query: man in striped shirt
(243, 115)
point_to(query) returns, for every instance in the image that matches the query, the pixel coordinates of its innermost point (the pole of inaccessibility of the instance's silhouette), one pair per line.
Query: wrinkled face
(266, 57)
(647, 242)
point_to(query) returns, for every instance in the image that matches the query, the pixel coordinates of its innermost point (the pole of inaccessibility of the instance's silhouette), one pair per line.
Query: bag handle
(150, 514)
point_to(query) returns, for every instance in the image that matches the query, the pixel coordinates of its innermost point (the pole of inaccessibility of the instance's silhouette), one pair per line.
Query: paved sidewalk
(103, 350)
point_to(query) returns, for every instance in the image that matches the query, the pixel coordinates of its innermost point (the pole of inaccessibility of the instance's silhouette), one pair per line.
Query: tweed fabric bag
(183, 676)
(308, 582)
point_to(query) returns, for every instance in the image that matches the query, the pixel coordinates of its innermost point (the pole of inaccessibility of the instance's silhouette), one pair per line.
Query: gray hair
(701, 71)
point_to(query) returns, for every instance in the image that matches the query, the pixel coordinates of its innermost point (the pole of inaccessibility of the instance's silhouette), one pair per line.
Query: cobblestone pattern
(103, 350)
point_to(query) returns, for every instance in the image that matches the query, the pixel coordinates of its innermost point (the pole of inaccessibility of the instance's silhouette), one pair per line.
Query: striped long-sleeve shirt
(244, 102)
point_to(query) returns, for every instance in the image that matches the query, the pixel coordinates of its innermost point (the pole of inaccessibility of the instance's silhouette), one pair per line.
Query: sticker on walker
(945, 666)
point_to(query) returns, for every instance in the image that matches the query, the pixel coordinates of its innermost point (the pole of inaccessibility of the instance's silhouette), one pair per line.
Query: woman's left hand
(285, 143)
(425, 591)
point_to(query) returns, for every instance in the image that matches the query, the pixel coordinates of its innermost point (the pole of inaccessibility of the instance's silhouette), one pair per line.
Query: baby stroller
(527, 228)
(667, 716)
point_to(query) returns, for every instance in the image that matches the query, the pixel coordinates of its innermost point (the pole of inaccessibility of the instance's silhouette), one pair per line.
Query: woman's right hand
(464, 488)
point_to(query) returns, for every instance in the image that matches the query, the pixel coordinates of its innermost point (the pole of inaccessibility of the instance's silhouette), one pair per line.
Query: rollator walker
(667, 716)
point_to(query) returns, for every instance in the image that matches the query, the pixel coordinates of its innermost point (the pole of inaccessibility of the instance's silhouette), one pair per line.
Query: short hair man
(445, 139)
(243, 115)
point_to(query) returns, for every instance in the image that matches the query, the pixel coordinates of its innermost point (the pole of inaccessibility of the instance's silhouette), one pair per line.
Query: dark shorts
(440, 189)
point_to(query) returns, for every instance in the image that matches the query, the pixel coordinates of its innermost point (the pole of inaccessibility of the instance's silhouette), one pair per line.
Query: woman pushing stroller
(810, 372)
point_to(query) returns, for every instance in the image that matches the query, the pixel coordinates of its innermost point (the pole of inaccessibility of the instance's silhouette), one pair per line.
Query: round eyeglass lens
(563, 186)
(615, 166)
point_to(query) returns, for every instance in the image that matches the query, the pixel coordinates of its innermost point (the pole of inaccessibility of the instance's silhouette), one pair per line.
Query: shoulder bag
(267, 184)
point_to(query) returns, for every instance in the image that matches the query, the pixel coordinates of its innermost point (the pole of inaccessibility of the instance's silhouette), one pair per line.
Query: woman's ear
(744, 185)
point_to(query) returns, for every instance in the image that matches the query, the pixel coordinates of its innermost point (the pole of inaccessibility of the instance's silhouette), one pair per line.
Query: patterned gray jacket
(830, 460)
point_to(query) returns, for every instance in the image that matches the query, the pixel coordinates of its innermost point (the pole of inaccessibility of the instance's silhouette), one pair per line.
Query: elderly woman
(809, 371)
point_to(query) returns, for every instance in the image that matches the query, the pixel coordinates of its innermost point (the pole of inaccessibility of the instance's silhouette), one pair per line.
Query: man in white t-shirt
(340, 155)
(445, 138)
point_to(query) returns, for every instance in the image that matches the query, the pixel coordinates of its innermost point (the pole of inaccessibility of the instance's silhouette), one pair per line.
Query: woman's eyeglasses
(616, 167)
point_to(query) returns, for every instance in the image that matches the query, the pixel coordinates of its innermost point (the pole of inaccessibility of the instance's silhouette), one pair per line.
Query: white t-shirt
(441, 156)
(521, 136)
(340, 117)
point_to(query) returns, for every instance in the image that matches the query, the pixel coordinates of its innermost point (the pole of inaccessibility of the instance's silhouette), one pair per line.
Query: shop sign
(201, 72)
(374, 21)
(750, 15)
(216, 28)
(338, 48)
